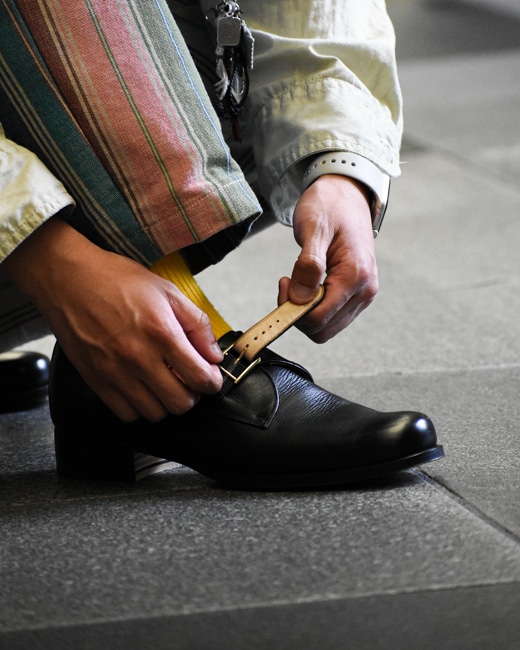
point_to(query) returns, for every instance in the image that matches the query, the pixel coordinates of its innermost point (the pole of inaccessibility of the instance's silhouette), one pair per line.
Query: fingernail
(301, 292)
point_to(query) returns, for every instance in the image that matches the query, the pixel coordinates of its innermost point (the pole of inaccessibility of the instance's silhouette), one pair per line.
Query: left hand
(332, 224)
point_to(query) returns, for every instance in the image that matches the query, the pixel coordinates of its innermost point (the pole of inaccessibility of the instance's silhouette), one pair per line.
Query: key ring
(231, 9)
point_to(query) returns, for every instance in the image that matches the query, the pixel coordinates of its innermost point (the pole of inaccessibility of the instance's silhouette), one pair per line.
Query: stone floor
(427, 558)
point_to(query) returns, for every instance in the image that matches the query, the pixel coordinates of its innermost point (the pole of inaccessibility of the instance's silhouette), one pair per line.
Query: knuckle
(129, 355)
(125, 413)
(368, 283)
(202, 320)
(158, 331)
(122, 352)
(198, 322)
(207, 382)
(321, 337)
(312, 263)
(184, 404)
(198, 318)
(312, 326)
(365, 275)
(371, 291)
(156, 416)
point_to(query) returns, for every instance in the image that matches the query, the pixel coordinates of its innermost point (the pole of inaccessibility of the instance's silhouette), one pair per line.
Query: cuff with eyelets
(359, 168)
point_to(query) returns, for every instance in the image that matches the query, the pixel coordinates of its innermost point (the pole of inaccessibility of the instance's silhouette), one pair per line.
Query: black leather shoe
(24, 379)
(270, 427)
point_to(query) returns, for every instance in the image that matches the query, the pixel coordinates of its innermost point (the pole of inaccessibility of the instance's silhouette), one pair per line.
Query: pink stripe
(131, 121)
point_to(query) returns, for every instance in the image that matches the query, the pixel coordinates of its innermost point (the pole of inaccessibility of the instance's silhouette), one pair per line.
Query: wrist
(333, 208)
(33, 265)
(359, 169)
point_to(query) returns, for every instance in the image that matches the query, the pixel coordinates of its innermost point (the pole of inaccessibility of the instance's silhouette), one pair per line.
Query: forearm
(51, 251)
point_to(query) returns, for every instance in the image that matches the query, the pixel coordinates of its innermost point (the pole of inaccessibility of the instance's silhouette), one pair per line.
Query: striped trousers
(109, 95)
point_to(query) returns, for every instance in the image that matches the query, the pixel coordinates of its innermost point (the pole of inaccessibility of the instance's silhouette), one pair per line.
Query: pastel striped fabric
(105, 91)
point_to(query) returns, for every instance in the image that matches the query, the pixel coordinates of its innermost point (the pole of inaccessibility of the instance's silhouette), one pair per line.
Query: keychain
(234, 54)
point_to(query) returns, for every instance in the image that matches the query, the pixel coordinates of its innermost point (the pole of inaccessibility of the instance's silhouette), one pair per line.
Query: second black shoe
(24, 378)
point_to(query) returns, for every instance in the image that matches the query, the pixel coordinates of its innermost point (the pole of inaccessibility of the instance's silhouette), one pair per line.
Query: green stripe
(34, 116)
(141, 121)
(202, 125)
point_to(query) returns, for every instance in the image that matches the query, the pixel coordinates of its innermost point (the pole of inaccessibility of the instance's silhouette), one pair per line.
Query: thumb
(307, 275)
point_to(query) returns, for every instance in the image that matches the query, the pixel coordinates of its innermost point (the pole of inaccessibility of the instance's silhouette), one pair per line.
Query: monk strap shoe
(271, 427)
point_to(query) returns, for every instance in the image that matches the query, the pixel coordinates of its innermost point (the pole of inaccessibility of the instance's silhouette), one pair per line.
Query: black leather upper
(274, 423)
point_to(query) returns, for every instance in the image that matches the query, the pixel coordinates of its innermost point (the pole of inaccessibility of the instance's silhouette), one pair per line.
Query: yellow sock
(174, 268)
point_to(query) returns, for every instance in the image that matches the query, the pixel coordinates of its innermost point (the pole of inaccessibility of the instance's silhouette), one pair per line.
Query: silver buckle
(246, 371)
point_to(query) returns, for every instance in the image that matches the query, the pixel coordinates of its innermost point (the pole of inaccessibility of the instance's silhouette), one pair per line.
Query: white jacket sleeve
(29, 194)
(324, 78)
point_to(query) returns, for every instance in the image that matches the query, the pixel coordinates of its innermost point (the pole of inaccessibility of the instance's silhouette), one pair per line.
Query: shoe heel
(79, 457)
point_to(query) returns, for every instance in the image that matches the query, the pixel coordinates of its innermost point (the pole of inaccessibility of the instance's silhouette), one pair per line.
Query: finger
(189, 346)
(172, 393)
(319, 319)
(197, 328)
(321, 326)
(335, 325)
(122, 407)
(283, 290)
(307, 274)
(191, 369)
(167, 394)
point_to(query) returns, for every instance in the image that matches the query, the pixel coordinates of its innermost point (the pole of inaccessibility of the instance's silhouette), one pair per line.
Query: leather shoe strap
(256, 338)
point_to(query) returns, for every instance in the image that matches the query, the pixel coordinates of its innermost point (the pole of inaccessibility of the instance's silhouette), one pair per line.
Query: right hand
(333, 225)
(137, 341)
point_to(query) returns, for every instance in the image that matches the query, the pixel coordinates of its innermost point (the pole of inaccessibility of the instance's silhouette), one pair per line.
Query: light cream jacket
(324, 78)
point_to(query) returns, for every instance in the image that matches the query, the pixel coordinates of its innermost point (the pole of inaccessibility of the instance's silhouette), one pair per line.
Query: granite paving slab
(468, 107)
(477, 618)
(449, 28)
(75, 553)
(477, 415)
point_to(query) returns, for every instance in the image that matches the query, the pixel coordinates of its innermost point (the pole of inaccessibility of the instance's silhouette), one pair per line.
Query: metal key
(229, 30)
(234, 57)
